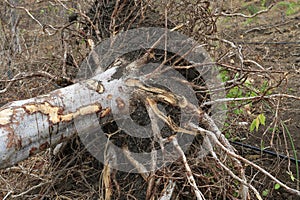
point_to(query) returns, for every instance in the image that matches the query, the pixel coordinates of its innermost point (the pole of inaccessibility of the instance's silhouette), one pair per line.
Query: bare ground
(271, 39)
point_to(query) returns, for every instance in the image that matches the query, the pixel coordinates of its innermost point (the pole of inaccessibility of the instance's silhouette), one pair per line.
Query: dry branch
(189, 173)
(213, 137)
(247, 16)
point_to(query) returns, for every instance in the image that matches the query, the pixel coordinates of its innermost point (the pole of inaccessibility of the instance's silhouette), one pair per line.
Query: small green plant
(227, 135)
(291, 175)
(264, 88)
(263, 3)
(71, 11)
(235, 92)
(259, 120)
(276, 186)
(275, 129)
(249, 21)
(290, 7)
(236, 194)
(223, 75)
(265, 192)
(253, 9)
(294, 152)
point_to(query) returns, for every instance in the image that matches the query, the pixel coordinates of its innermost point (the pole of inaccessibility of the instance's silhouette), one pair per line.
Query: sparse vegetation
(255, 46)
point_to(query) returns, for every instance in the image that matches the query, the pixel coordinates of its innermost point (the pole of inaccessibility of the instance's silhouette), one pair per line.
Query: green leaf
(276, 186)
(236, 194)
(237, 111)
(254, 124)
(265, 192)
(227, 135)
(236, 76)
(262, 119)
(257, 124)
(292, 177)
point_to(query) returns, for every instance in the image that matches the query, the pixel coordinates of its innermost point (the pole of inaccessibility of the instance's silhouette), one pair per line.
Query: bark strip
(33, 125)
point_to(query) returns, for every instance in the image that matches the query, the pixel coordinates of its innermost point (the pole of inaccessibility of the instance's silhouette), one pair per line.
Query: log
(33, 125)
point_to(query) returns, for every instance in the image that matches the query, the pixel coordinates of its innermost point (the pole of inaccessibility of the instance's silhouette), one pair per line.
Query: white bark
(32, 125)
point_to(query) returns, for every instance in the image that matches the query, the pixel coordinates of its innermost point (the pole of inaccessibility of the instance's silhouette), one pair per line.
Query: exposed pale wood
(33, 125)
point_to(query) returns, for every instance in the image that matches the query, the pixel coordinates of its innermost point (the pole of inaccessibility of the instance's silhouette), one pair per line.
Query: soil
(271, 39)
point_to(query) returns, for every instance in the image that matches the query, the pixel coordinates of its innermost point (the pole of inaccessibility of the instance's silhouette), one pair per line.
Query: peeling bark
(33, 125)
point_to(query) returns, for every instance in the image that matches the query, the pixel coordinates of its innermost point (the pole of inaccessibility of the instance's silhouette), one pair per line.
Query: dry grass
(59, 47)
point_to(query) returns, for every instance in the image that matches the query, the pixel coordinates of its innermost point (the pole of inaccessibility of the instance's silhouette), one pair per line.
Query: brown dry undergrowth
(43, 43)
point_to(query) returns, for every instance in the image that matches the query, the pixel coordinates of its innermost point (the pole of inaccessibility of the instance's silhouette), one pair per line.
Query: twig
(189, 173)
(234, 155)
(246, 16)
(30, 189)
(252, 61)
(236, 177)
(15, 78)
(85, 17)
(109, 164)
(284, 127)
(245, 195)
(275, 121)
(7, 195)
(168, 191)
(238, 49)
(209, 148)
(213, 128)
(44, 27)
(154, 126)
(23, 75)
(140, 168)
(250, 98)
(267, 27)
(157, 137)
(250, 70)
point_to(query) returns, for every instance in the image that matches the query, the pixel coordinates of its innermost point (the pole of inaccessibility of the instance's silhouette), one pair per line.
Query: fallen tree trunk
(33, 125)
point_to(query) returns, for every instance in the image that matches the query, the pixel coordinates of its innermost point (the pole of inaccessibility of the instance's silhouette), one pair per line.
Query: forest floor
(271, 39)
